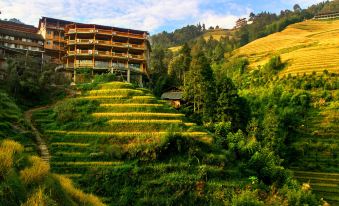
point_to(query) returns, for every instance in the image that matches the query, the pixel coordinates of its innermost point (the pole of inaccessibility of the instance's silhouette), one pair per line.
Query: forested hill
(264, 23)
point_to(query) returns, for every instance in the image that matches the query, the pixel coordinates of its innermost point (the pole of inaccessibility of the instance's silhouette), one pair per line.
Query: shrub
(247, 198)
(74, 110)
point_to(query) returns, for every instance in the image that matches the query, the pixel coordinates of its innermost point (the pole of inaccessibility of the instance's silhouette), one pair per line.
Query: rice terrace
(169, 103)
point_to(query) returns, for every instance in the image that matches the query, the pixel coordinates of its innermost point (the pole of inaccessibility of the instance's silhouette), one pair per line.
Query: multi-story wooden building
(96, 47)
(20, 38)
(102, 48)
(53, 31)
(16, 38)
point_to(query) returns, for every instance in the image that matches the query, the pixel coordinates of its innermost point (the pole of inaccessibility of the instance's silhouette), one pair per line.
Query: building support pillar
(128, 74)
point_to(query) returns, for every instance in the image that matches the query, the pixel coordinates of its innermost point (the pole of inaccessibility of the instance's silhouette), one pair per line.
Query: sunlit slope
(135, 132)
(305, 47)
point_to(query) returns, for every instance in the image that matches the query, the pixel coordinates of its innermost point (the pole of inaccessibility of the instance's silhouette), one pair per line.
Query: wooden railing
(84, 65)
(134, 56)
(102, 31)
(103, 42)
(120, 44)
(104, 53)
(139, 46)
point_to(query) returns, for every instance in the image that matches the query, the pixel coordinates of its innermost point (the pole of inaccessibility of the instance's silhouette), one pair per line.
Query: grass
(126, 141)
(81, 197)
(305, 47)
(37, 172)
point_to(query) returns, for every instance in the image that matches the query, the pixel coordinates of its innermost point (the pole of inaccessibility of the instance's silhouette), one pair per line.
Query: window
(49, 42)
(23, 39)
(29, 40)
(49, 32)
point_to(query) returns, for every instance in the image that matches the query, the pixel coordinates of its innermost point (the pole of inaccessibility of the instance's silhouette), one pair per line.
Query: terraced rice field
(306, 47)
(320, 146)
(134, 120)
(325, 185)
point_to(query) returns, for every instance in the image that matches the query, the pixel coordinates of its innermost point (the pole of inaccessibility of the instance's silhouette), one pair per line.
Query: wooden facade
(20, 38)
(53, 32)
(102, 48)
(99, 48)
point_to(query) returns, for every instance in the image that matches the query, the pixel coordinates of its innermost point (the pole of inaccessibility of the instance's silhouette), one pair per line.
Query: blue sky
(151, 15)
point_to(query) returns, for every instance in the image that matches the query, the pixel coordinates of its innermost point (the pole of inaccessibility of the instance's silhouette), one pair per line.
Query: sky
(149, 15)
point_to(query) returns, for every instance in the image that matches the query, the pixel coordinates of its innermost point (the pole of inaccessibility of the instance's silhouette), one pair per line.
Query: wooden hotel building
(99, 48)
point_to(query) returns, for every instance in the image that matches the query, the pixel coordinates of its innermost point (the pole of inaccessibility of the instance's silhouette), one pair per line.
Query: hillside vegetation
(126, 146)
(25, 179)
(304, 47)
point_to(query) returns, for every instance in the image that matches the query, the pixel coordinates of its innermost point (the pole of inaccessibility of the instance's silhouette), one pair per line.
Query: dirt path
(44, 153)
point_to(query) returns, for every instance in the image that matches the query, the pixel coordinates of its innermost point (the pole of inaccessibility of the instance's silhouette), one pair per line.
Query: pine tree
(200, 87)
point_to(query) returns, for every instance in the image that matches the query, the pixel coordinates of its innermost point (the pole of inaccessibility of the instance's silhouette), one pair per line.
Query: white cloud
(302, 3)
(147, 15)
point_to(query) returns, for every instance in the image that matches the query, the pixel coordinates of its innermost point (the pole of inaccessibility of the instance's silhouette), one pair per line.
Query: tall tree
(200, 87)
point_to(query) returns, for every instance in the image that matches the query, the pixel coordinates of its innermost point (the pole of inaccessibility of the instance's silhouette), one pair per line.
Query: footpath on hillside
(44, 153)
(43, 149)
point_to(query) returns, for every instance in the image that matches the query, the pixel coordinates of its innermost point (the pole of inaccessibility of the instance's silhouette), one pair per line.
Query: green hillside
(318, 145)
(25, 178)
(129, 148)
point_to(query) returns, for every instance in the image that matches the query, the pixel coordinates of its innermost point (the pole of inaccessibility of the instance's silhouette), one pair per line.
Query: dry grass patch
(7, 149)
(136, 114)
(81, 197)
(70, 144)
(131, 105)
(145, 121)
(88, 163)
(36, 172)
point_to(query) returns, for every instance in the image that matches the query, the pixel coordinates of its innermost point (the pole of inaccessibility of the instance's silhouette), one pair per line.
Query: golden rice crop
(136, 121)
(117, 91)
(11, 146)
(189, 124)
(301, 45)
(7, 149)
(136, 114)
(36, 199)
(104, 97)
(143, 97)
(88, 163)
(69, 153)
(6, 162)
(70, 144)
(78, 195)
(131, 105)
(96, 133)
(36, 172)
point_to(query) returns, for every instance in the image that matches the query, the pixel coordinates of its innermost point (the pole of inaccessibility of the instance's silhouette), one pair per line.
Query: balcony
(82, 30)
(120, 44)
(84, 65)
(137, 46)
(102, 42)
(134, 56)
(103, 53)
(119, 55)
(105, 32)
(130, 35)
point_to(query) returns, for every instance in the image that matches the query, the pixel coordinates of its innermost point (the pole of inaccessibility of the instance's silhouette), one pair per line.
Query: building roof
(21, 34)
(17, 27)
(64, 22)
(172, 95)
